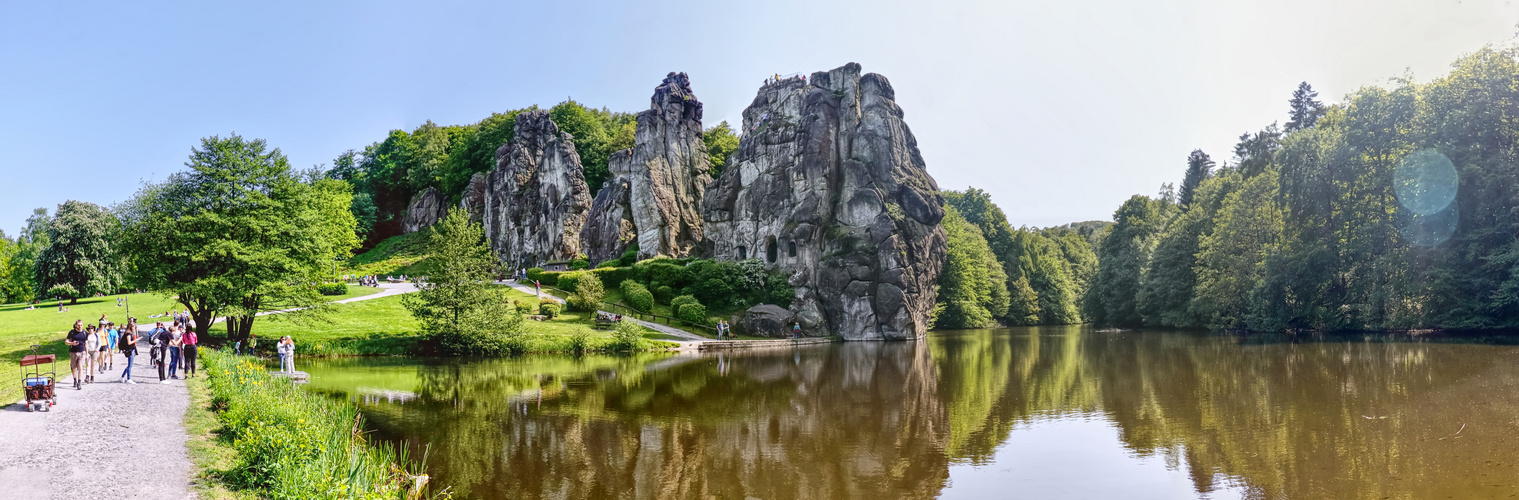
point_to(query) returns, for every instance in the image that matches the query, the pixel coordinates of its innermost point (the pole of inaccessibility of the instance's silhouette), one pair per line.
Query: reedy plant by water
(292, 444)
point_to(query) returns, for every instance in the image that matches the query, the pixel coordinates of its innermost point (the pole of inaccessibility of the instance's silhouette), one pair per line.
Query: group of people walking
(92, 349)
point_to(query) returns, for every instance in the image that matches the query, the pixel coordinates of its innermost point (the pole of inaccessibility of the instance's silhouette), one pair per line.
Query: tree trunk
(73, 301)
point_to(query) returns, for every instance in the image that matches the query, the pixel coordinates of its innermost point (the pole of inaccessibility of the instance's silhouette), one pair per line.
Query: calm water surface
(1009, 413)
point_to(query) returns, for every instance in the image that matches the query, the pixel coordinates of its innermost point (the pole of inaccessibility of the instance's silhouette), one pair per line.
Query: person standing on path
(91, 352)
(108, 361)
(176, 336)
(162, 337)
(796, 330)
(191, 348)
(129, 349)
(75, 340)
(155, 347)
(538, 289)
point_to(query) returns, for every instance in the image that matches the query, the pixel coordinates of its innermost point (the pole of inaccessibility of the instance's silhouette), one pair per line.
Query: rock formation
(663, 175)
(828, 185)
(609, 229)
(425, 210)
(536, 199)
(473, 201)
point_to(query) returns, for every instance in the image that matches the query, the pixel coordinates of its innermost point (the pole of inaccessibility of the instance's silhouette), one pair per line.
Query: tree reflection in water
(1329, 418)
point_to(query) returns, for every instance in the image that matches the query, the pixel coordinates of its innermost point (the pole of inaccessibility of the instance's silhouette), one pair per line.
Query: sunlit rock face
(536, 199)
(662, 177)
(425, 210)
(473, 201)
(828, 185)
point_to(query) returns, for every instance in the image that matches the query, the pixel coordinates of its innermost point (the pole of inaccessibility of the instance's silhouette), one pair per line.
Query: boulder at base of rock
(425, 210)
(768, 320)
(536, 199)
(828, 186)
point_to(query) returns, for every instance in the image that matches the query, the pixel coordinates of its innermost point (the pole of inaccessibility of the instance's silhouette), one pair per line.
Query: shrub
(588, 293)
(715, 291)
(611, 277)
(664, 293)
(675, 303)
(549, 310)
(523, 307)
(578, 264)
(580, 341)
(535, 273)
(627, 337)
(609, 263)
(567, 281)
(332, 288)
(664, 271)
(637, 295)
(779, 291)
(629, 256)
(692, 313)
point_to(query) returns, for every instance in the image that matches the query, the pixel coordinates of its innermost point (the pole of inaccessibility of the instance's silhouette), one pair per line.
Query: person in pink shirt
(191, 345)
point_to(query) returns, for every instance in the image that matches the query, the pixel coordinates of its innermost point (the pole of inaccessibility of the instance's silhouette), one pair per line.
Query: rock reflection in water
(1361, 417)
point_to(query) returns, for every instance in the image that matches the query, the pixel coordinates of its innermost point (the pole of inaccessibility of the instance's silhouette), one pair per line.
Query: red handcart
(39, 385)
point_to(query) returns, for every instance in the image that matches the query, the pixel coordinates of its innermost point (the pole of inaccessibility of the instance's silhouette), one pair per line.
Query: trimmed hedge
(578, 264)
(332, 288)
(535, 274)
(664, 293)
(609, 263)
(550, 310)
(675, 303)
(567, 281)
(637, 295)
(692, 313)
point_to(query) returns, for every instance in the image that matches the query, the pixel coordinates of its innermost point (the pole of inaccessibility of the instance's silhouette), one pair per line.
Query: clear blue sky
(1060, 109)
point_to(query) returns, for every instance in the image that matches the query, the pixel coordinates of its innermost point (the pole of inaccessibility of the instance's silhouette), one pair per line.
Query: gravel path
(109, 440)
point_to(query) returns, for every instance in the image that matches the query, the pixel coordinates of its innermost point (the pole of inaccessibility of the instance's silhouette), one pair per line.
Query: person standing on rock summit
(75, 340)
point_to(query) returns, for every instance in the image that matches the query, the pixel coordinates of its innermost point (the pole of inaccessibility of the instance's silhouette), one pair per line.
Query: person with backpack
(162, 337)
(128, 345)
(91, 352)
(153, 350)
(107, 359)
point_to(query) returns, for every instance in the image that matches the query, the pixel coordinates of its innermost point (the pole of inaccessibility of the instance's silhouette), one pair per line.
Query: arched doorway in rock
(771, 251)
(791, 249)
(743, 252)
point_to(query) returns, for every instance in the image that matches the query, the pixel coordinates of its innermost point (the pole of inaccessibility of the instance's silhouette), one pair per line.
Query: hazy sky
(1060, 109)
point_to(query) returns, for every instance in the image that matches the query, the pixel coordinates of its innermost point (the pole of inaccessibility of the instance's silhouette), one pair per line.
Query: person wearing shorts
(75, 340)
(92, 352)
(107, 360)
(190, 350)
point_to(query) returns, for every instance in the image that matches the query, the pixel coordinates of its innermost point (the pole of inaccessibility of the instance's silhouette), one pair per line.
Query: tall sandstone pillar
(535, 200)
(828, 186)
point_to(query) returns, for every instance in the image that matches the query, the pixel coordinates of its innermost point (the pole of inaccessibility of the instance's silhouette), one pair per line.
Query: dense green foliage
(1044, 272)
(459, 308)
(81, 253)
(588, 293)
(972, 287)
(1343, 220)
(237, 234)
(637, 295)
(298, 444)
(721, 142)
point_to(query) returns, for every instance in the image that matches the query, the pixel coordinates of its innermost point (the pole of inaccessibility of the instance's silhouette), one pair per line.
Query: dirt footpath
(110, 440)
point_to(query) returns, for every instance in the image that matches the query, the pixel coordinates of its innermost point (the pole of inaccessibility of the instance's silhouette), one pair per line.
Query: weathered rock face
(425, 210)
(536, 199)
(609, 228)
(828, 185)
(473, 201)
(664, 174)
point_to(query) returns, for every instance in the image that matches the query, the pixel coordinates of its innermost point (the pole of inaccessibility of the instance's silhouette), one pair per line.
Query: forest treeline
(386, 174)
(1395, 209)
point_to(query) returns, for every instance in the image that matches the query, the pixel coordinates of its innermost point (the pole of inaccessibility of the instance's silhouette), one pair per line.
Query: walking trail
(686, 338)
(110, 439)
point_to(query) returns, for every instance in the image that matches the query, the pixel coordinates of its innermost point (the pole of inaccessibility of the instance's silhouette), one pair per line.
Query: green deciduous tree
(81, 252)
(1113, 296)
(236, 234)
(721, 142)
(972, 287)
(460, 309)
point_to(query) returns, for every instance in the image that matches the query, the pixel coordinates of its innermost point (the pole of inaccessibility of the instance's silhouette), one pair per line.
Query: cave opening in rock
(771, 251)
(791, 249)
(743, 253)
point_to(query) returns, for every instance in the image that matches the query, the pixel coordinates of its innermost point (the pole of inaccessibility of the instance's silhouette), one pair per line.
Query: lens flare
(1425, 182)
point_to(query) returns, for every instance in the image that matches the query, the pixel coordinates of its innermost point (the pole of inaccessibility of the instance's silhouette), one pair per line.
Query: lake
(1052, 412)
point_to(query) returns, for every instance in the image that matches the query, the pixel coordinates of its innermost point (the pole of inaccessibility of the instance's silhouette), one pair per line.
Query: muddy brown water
(1009, 413)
